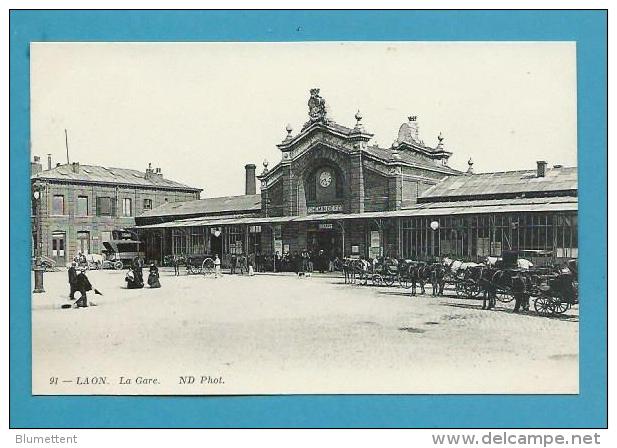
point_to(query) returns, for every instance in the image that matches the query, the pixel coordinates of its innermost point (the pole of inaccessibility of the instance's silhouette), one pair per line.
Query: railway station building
(333, 189)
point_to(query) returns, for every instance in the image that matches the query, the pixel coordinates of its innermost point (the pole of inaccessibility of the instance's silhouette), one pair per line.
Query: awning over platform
(558, 204)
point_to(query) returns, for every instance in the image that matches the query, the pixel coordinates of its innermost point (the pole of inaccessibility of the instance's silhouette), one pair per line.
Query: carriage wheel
(560, 307)
(543, 306)
(377, 280)
(207, 267)
(405, 282)
(118, 265)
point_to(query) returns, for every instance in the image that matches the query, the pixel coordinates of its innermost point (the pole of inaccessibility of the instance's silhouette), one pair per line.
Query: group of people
(241, 262)
(135, 279)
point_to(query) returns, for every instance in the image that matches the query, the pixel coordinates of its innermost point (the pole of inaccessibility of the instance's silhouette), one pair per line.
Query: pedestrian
(233, 263)
(177, 265)
(153, 277)
(251, 264)
(519, 291)
(242, 263)
(217, 266)
(83, 285)
(138, 272)
(72, 280)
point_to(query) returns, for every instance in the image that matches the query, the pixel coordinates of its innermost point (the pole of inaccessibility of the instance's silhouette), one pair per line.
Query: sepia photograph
(242, 218)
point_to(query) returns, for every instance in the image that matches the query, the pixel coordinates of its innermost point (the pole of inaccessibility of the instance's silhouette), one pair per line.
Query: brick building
(334, 190)
(81, 205)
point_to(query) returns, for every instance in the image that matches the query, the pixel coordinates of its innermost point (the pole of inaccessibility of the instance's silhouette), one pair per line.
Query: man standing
(72, 280)
(519, 291)
(177, 265)
(233, 262)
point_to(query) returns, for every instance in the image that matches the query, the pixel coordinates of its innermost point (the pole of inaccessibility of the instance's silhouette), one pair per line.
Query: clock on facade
(325, 179)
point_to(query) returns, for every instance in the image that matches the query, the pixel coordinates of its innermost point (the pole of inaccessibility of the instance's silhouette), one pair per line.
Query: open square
(272, 334)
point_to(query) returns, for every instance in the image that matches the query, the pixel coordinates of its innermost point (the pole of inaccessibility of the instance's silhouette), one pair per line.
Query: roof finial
(358, 127)
(289, 130)
(440, 139)
(470, 163)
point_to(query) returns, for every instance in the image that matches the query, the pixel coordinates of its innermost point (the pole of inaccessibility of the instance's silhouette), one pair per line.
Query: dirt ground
(279, 334)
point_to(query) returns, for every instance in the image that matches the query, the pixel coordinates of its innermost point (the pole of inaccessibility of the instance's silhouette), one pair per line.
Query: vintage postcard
(304, 218)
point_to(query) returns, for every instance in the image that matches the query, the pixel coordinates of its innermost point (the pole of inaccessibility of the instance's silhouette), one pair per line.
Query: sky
(201, 111)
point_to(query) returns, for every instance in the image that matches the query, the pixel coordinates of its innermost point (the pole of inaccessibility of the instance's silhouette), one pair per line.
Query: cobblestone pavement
(272, 334)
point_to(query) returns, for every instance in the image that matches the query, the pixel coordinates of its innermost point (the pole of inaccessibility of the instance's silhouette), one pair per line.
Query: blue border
(589, 409)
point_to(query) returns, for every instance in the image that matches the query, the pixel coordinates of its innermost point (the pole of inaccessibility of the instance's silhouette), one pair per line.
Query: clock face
(325, 179)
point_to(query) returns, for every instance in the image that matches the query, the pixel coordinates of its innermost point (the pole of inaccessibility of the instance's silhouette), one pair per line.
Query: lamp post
(38, 243)
(434, 227)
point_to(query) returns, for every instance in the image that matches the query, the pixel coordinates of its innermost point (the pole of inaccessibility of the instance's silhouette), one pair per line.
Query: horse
(418, 272)
(438, 279)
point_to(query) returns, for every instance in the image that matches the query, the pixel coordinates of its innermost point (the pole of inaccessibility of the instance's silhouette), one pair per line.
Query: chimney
(158, 172)
(75, 167)
(35, 166)
(48, 161)
(541, 171)
(250, 179)
(149, 171)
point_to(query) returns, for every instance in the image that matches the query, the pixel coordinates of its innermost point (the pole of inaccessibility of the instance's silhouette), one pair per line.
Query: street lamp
(38, 264)
(434, 226)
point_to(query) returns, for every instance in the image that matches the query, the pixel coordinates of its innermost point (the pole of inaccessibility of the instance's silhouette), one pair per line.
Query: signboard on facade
(333, 208)
(325, 226)
(278, 232)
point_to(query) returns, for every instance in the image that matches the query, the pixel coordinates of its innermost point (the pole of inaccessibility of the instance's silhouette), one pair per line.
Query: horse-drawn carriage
(558, 292)
(199, 264)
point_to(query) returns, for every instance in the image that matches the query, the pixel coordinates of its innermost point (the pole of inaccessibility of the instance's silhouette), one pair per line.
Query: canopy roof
(556, 204)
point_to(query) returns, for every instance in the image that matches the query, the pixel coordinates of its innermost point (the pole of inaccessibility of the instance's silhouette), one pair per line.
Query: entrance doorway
(58, 253)
(327, 240)
(83, 242)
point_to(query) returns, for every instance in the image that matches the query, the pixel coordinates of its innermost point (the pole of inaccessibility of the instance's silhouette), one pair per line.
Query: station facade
(334, 190)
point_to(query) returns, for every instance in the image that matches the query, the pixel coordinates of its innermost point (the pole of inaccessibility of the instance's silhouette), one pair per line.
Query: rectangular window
(105, 236)
(82, 205)
(147, 204)
(127, 207)
(105, 206)
(58, 205)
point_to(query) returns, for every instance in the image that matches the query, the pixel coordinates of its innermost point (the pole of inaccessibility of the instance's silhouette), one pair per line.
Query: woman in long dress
(153, 277)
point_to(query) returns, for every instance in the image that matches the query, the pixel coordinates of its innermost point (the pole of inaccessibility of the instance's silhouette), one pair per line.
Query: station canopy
(520, 205)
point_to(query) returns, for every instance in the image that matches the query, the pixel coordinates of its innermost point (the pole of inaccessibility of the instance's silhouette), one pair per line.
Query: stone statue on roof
(317, 107)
